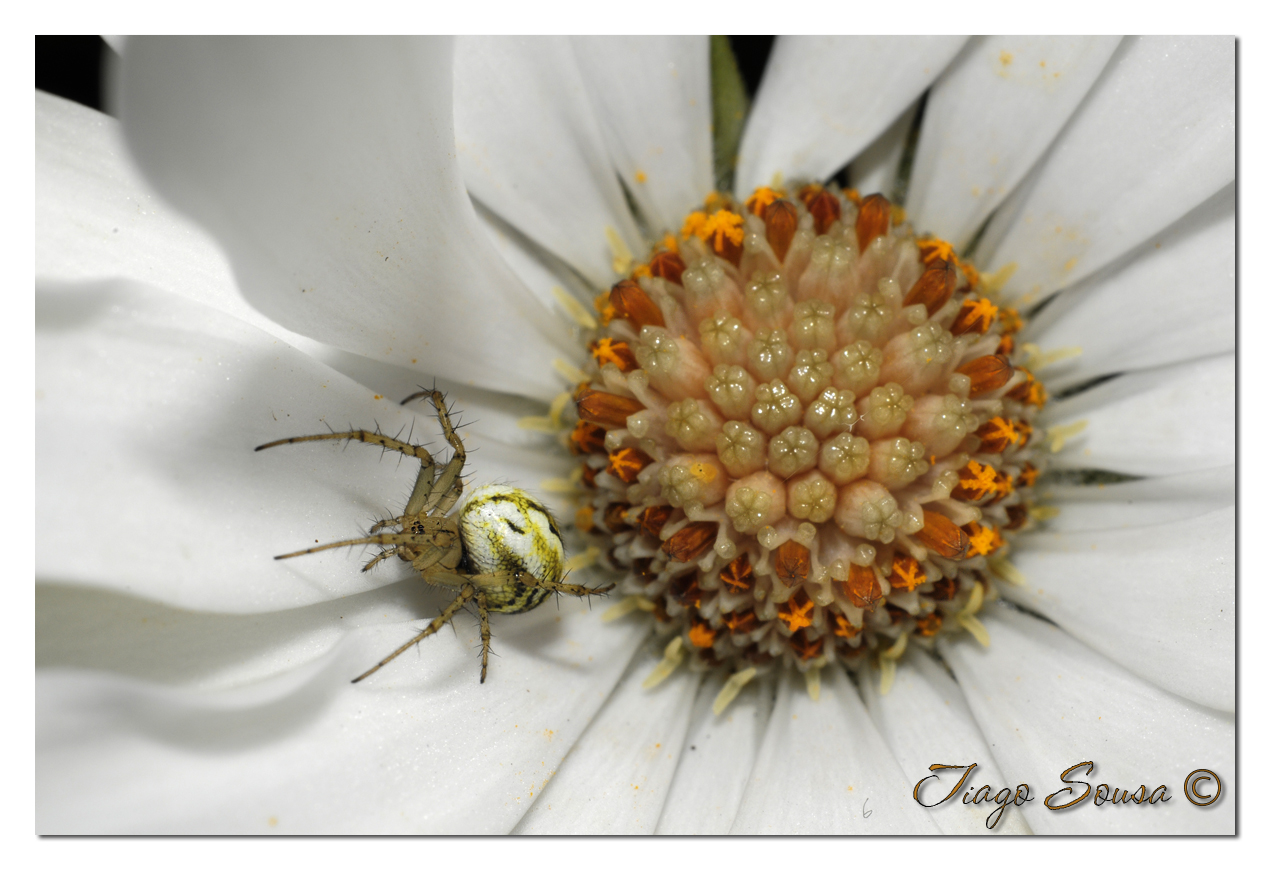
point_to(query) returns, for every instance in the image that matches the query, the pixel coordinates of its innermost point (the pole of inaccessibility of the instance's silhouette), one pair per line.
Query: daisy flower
(356, 217)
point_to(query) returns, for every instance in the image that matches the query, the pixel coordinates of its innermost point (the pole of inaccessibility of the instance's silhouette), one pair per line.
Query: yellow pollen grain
(574, 308)
(629, 605)
(731, 688)
(760, 199)
(621, 253)
(1059, 435)
(640, 177)
(703, 472)
(583, 560)
(569, 371)
(672, 656)
(812, 678)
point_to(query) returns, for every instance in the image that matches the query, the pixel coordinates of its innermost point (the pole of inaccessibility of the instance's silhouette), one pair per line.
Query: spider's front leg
(445, 492)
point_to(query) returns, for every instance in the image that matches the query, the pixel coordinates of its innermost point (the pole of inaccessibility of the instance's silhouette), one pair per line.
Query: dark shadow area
(751, 53)
(71, 67)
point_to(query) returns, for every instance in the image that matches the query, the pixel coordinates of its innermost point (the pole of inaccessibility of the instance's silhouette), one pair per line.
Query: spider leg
(409, 538)
(380, 557)
(446, 616)
(574, 589)
(448, 487)
(484, 613)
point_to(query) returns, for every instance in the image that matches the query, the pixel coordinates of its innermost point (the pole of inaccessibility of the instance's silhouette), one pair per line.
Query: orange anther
(585, 518)
(825, 209)
(997, 435)
(853, 196)
(692, 542)
(780, 221)
(1017, 516)
(631, 303)
(1030, 392)
(759, 201)
(1006, 346)
(792, 564)
(975, 316)
(906, 573)
(975, 481)
(928, 624)
(987, 373)
(942, 535)
(668, 265)
(944, 590)
(738, 575)
(587, 438)
(616, 516)
(653, 518)
(604, 308)
(685, 590)
(607, 350)
(934, 287)
(626, 464)
(1010, 320)
(806, 648)
(701, 634)
(873, 220)
(843, 627)
(589, 476)
(606, 409)
(935, 249)
(796, 612)
(1028, 475)
(984, 540)
(741, 621)
(861, 587)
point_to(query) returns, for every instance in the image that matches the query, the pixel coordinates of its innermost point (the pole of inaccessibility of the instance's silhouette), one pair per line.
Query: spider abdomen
(505, 529)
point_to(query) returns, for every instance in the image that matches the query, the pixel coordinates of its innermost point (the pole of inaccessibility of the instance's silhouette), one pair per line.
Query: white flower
(188, 683)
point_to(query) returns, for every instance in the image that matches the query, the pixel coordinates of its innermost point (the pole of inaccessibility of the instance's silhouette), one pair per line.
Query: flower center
(803, 436)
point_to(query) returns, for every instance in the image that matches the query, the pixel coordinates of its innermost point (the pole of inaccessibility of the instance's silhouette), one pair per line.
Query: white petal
(874, 171)
(652, 95)
(713, 770)
(327, 171)
(1145, 502)
(96, 219)
(1173, 299)
(824, 98)
(616, 777)
(823, 769)
(1046, 702)
(989, 118)
(1160, 600)
(531, 149)
(148, 407)
(419, 747)
(1161, 421)
(1154, 138)
(925, 721)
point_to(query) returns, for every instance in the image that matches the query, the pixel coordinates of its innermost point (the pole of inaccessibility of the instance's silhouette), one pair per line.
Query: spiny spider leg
(379, 558)
(447, 615)
(484, 613)
(449, 485)
(411, 538)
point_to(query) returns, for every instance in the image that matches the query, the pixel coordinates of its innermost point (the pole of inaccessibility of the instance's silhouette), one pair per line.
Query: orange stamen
(942, 535)
(934, 287)
(759, 200)
(873, 220)
(997, 435)
(606, 409)
(987, 373)
(975, 316)
(928, 624)
(906, 573)
(825, 209)
(740, 621)
(737, 575)
(984, 540)
(701, 635)
(653, 518)
(780, 219)
(796, 612)
(587, 438)
(608, 350)
(627, 463)
(792, 564)
(631, 303)
(805, 648)
(616, 516)
(692, 542)
(861, 587)
(843, 627)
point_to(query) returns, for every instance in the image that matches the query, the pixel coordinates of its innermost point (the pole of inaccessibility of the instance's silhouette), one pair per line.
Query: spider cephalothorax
(503, 550)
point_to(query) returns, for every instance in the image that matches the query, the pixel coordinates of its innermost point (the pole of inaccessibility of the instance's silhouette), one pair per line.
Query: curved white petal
(96, 219)
(713, 770)
(327, 171)
(148, 407)
(1162, 421)
(616, 777)
(823, 769)
(1154, 138)
(532, 151)
(1173, 299)
(419, 747)
(1160, 600)
(874, 170)
(1045, 702)
(652, 96)
(925, 721)
(824, 98)
(1145, 502)
(988, 119)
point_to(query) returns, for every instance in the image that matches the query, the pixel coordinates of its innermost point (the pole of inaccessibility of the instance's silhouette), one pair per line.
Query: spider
(503, 550)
